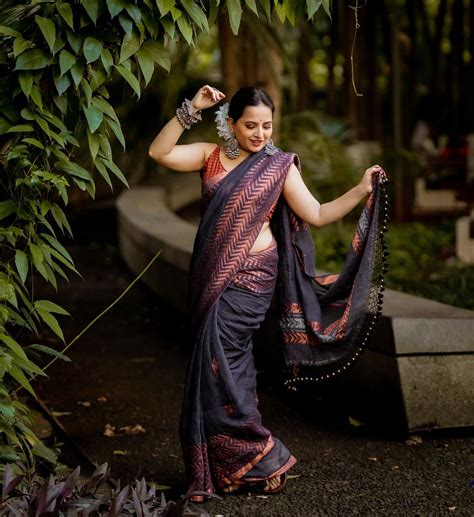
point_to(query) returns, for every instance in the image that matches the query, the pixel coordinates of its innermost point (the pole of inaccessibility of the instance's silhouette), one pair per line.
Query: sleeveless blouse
(213, 172)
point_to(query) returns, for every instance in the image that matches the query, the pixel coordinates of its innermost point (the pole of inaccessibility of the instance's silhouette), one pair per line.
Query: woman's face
(254, 128)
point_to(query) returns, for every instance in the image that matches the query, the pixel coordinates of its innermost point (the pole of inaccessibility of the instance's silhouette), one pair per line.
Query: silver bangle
(186, 116)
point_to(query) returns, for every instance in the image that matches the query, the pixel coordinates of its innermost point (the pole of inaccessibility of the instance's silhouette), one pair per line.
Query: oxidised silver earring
(232, 149)
(270, 148)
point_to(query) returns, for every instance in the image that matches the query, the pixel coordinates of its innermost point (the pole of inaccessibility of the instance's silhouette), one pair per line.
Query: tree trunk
(332, 54)
(471, 69)
(457, 49)
(349, 93)
(438, 36)
(229, 48)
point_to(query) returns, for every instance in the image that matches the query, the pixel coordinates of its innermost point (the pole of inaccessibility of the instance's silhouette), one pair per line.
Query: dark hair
(248, 96)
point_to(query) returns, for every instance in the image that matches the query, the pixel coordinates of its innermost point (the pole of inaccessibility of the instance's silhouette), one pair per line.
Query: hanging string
(356, 8)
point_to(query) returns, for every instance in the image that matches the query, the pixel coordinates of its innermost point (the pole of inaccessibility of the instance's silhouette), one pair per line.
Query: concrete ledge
(418, 372)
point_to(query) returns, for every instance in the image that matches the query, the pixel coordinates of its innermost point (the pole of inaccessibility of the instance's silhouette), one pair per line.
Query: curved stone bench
(418, 372)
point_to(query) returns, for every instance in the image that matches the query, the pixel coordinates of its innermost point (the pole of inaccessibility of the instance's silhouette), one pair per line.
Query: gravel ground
(129, 369)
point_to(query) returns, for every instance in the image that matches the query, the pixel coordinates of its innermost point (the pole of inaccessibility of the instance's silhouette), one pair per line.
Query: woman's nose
(259, 131)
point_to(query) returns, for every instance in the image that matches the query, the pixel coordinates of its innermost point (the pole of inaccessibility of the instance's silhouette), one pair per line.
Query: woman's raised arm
(306, 206)
(189, 157)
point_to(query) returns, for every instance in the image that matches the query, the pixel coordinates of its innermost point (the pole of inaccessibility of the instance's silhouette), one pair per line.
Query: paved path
(129, 369)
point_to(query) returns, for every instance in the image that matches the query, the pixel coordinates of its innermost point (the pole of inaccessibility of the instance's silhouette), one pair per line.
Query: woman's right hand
(206, 97)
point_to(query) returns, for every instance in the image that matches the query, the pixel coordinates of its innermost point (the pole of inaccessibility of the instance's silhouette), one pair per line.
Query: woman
(249, 187)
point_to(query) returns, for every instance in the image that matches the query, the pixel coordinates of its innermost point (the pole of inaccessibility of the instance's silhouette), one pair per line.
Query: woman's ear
(230, 122)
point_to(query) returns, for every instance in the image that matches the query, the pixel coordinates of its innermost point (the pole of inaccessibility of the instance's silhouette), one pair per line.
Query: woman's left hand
(365, 183)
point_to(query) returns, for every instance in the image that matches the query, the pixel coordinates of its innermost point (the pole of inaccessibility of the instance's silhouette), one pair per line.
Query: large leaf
(115, 7)
(33, 60)
(51, 321)
(146, 62)
(130, 78)
(49, 306)
(164, 6)
(20, 45)
(94, 117)
(312, 7)
(48, 30)
(158, 53)
(235, 14)
(92, 49)
(50, 351)
(74, 170)
(66, 12)
(92, 9)
(130, 45)
(185, 29)
(66, 61)
(26, 82)
(116, 171)
(196, 14)
(21, 262)
(7, 208)
(77, 71)
(107, 60)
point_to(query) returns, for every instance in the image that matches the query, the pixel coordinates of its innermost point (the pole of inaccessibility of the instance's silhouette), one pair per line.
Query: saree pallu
(222, 436)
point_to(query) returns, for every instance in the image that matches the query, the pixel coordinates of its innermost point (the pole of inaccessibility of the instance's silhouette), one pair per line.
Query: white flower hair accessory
(223, 129)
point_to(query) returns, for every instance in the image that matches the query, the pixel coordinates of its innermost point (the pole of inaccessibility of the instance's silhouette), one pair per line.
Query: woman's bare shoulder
(209, 148)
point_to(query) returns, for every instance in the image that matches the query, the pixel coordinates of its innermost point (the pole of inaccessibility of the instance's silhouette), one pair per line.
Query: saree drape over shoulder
(324, 321)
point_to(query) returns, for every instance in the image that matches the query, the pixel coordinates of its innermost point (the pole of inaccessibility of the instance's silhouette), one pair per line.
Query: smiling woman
(255, 213)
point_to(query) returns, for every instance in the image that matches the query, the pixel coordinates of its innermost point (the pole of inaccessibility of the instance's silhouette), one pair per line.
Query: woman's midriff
(264, 239)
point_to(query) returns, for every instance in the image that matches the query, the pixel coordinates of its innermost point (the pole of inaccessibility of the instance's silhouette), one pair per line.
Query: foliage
(57, 59)
(318, 140)
(421, 260)
(33, 495)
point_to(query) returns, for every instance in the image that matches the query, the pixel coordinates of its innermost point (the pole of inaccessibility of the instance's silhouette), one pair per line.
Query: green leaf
(20, 377)
(147, 66)
(50, 307)
(7, 208)
(92, 49)
(26, 82)
(50, 351)
(92, 9)
(21, 262)
(54, 242)
(34, 141)
(158, 53)
(8, 31)
(98, 78)
(4, 125)
(107, 60)
(27, 114)
(235, 14)
(77, 72)
(130, 78)
(185, 29)
(196, 14)
(66, 61)
(134, 13)
(33, 60)
(130, 45)
(66, 12)
(74, 170)
(6, 290)
(115, 127)
(51, 321)
(115, 7)
(116, 171)
(22, 128)
(94, 143)
(20, 45)
(35, 95)
(75, 41)
(327, 7)
(61, 102)
(164, 6)
(48, 30)
(312, 7)
(94, 117)
(13, 345)
(86, 88)
(126, 23)
(103, 172)
(62, 83)
(252, 5)
(105, 107)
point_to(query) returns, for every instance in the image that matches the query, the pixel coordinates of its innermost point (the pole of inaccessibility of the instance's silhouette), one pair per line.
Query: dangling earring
(270, 148)
(232, 149)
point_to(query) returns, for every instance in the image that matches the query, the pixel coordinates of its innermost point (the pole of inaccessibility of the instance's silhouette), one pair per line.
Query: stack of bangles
(186, 115)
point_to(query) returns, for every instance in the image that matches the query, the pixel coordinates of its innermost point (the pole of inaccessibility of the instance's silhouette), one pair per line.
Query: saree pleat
(321, 319)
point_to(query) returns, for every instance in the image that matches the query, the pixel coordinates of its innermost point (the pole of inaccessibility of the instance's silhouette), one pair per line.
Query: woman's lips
(257, 142)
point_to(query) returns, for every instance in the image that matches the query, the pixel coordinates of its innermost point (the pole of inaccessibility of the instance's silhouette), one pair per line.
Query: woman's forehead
(260, 113)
